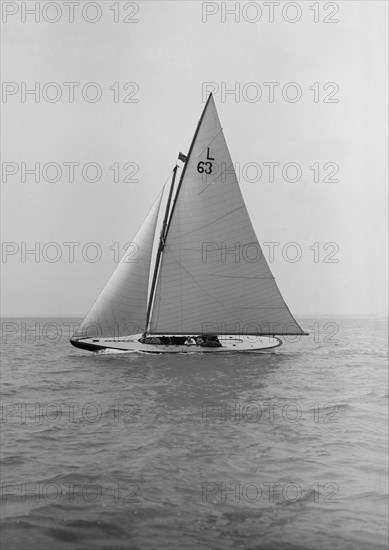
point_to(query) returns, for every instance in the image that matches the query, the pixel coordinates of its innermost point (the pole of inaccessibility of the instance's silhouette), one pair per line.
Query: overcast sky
(171, 57)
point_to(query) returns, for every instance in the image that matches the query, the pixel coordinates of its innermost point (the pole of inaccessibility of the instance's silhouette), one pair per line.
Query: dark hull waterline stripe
(91, 347)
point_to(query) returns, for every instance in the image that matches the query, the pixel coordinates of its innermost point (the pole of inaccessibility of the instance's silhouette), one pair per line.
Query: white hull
(229, 343)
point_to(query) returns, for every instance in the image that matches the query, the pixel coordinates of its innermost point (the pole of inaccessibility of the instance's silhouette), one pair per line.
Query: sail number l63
(206, 166)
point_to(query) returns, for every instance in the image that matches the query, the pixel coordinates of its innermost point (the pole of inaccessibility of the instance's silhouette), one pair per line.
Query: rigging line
(179, 253)
(161, 246)
(167, 180)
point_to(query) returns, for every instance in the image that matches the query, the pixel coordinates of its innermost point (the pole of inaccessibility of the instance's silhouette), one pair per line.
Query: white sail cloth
(213, 276)
(120, 309)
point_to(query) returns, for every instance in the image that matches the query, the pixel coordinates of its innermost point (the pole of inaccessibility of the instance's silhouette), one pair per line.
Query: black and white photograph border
(194, 275)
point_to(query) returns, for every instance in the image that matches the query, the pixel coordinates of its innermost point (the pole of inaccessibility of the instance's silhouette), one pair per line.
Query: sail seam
(240, 277)
(210, 223)
(208, 144)
(205, 292)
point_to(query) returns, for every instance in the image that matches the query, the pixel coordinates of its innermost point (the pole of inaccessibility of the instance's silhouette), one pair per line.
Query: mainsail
(120, 309)
(213, 275)
(210, 274)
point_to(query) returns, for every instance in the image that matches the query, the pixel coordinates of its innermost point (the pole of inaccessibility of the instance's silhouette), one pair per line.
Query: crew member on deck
(190, 341)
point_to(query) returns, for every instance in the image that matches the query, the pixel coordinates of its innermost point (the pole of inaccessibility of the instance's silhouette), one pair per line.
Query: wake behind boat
(204, 284)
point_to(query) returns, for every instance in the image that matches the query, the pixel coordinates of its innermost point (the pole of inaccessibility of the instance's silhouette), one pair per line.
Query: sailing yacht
(194, 279)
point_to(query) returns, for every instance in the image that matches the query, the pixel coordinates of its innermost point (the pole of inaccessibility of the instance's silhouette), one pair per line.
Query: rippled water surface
(285, 449)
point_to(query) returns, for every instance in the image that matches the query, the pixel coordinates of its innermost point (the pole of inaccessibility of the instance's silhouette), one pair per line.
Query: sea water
(285, 449)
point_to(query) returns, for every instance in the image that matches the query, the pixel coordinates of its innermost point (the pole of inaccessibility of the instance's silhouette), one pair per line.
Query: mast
(161, 246)
(166, 221)
(187, 161)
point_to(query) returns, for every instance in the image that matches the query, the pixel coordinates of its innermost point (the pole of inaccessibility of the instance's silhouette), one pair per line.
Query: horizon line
(81, 316)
